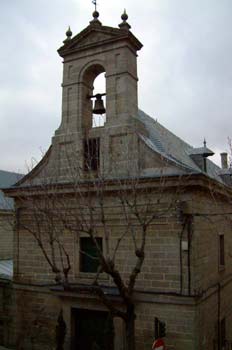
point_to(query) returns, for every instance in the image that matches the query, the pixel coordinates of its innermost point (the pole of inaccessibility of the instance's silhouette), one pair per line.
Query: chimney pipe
(224, 161)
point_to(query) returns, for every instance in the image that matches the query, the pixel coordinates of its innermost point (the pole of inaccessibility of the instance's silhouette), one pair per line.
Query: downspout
(189, 233)
(16, 230)
(219, 316)
(181, 255)
(187, 223)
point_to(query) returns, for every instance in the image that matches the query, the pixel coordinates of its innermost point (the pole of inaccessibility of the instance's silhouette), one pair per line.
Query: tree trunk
(130, 328)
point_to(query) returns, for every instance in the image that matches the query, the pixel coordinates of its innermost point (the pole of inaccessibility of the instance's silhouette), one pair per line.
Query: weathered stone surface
(181, 281)
(6, 235)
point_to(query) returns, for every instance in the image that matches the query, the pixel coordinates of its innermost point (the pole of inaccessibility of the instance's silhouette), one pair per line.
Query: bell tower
(95, 50)
(99, 49)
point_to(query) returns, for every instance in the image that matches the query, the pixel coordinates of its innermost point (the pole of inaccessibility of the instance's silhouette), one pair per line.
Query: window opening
(99, 119)
(221, 251)
(91, 154)
(89, 260)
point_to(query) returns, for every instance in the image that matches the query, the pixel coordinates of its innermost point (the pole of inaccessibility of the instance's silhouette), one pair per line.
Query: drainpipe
(219, 316)
(16, 231)
(181, 254)
(190, 233)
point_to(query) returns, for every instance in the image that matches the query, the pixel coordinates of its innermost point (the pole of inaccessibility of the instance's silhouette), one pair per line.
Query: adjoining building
(7, 220)
(128, 202)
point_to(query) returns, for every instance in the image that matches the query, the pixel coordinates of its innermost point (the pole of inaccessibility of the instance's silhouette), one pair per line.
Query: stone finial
(204, 142)
(124, 16)
(68, 35)
(95, 15)
(95, 20)
(124, 24)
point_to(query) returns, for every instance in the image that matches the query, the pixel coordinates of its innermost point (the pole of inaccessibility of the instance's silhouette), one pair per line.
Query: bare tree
(124, 208)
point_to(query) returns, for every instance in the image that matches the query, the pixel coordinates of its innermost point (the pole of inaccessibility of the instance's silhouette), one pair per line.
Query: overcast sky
(185, 68)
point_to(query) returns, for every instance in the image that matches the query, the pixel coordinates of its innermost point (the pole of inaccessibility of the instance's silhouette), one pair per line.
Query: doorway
(92, 330)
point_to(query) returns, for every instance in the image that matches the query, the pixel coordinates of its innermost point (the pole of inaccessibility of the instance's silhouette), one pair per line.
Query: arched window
(94, 87)
(93, 114)
(99, 87)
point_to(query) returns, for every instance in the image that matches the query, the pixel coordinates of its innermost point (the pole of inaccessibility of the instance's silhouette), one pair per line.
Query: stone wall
(212, 282)
(32, 318)
(189, 299)
(6, 235)
(160, 271)
(29, 316)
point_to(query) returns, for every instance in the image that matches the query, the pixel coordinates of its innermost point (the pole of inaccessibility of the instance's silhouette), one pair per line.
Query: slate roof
(7, 179)
(173, 148)
(162, 141)
(6, 269)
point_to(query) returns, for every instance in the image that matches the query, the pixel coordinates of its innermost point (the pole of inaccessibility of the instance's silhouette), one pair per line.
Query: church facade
(123, 230)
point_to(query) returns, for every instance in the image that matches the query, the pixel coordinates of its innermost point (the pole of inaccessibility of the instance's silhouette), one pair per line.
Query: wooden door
(92, 330)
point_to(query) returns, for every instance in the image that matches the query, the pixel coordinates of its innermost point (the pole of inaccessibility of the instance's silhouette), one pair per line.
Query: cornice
(189, 182)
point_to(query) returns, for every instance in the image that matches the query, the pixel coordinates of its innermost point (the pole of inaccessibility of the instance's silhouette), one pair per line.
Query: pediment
(96, 35)
(91, 38)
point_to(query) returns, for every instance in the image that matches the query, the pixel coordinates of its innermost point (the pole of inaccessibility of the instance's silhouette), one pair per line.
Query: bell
(99, 105)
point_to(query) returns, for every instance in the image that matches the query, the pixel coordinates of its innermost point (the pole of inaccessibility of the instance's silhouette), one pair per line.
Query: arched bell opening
(94, 87)
(99, 102)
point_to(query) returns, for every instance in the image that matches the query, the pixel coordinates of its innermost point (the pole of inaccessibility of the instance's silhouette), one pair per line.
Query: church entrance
(92, 330)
